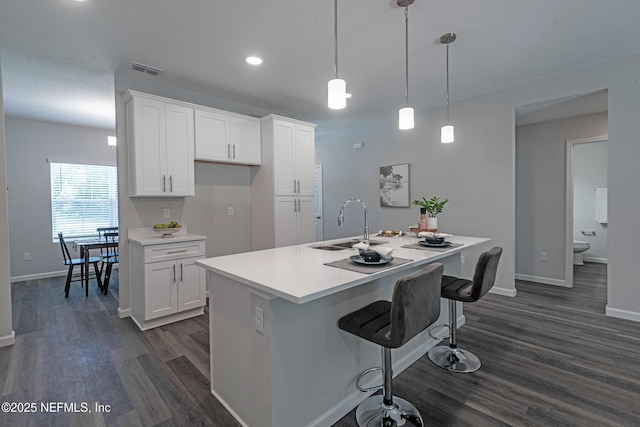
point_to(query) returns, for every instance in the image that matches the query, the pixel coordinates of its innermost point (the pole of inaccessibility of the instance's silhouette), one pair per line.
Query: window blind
(83, 198)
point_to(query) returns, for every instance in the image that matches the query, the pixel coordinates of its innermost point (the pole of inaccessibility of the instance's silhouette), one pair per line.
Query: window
(83, 198)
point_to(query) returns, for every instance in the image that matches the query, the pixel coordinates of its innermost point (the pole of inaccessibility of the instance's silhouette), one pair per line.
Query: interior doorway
(586, 203)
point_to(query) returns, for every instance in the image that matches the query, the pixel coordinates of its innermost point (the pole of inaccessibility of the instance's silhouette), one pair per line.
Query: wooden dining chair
(72, 262)
(111, 257)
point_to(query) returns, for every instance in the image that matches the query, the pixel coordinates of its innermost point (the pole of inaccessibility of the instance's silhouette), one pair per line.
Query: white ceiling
(59, 56)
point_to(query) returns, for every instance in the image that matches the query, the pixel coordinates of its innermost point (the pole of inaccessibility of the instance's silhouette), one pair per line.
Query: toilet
(578, 248)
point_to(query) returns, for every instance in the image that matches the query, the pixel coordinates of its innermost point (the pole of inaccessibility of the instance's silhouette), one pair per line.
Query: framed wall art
(394, 186)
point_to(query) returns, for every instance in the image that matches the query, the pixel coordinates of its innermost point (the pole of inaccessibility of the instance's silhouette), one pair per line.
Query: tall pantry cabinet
(282, 189)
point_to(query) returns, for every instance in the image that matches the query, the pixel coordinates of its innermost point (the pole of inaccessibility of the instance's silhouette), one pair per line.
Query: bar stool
(450, 357)
(415, 305)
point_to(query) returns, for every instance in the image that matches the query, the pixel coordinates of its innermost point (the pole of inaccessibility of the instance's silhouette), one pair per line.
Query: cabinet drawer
(171, 251)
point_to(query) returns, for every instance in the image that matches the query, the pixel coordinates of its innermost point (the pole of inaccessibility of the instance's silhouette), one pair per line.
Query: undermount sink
(346, 244)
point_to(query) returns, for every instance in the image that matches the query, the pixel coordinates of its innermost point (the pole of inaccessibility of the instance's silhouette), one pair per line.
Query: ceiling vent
(146, 69)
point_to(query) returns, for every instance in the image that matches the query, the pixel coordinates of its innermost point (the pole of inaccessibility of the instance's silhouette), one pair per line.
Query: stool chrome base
(454, 359)
(374, 413)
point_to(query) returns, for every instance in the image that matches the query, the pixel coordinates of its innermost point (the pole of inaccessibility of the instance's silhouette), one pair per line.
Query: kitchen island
(277, 356)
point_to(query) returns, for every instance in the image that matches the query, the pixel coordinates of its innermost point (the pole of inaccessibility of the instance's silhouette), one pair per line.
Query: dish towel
(384, 251)
(601, 205)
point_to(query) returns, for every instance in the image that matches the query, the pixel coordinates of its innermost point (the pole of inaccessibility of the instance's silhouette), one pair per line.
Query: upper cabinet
(227, 137)
(293, 156)
(160, 136)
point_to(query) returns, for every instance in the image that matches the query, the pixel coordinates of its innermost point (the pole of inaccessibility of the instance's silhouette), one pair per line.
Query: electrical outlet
(230, 210)
(166, 213)
(27, 256)
(259, 319)
(543, 256)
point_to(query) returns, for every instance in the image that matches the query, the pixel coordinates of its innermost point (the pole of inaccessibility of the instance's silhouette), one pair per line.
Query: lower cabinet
(295, 220)
(166, 284)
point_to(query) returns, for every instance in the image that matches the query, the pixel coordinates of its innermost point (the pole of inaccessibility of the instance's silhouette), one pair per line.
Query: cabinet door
(212, 136)
(306, 220)
(305, 159)
(245, 141)
(283, 158)
(180, 180)
(160, 289)
(147, 148)
(191, 285)
(285, 221)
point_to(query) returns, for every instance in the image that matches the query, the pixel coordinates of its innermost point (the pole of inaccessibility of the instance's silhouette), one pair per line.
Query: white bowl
(167, 232)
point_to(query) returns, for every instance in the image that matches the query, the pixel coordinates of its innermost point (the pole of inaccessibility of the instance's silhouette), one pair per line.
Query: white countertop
(298, 274)
(145, 236)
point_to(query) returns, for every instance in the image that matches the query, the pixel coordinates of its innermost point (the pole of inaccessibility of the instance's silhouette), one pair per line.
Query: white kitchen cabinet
(166, 285)
(293, 158)
(294, 220)
(227, 137)
(282, 189)
(160, 139)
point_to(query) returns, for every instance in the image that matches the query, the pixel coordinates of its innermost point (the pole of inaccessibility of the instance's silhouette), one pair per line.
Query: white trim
(507, 292)
(622, 314)
(82, 162)
(545, 280)
(126, 312)
(596, 260)
(8, 340)
(228, 408)
(568, 215)
(37, 276)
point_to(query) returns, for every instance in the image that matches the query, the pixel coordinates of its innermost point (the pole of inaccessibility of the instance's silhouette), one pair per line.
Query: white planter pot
(432, 224)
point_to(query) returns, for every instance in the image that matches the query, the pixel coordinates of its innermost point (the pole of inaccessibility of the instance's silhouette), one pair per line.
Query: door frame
(568, 216)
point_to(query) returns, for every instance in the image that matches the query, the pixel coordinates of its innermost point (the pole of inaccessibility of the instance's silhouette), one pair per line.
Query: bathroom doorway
(586, 203)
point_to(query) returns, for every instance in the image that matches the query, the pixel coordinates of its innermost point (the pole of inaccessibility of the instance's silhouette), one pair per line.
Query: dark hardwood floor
(550, 358)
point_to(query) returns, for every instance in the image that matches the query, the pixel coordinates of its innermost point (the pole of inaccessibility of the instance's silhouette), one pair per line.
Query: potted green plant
(431, 207)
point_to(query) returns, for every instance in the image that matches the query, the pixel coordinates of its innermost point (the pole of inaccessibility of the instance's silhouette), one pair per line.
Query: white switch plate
(230, 210)
(166, 212)
(259, 319)
(27, 256)
(543, 256)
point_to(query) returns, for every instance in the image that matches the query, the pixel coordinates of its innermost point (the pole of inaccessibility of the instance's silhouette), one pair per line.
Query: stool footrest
(440, 337)
(368, 389)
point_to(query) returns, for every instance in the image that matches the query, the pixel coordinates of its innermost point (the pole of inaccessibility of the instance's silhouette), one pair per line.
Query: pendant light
(405, 115)
(337, 88)
(446, 133)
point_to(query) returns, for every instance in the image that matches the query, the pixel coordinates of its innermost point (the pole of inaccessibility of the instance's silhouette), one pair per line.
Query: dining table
(85, 246)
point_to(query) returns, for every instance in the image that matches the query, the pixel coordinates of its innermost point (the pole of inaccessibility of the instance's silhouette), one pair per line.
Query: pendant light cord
(448, 121)
(335, 37)
(406, 52)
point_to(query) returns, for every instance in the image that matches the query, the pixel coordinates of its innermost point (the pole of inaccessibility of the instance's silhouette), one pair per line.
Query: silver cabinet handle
(174, 273)
(298, 186)
(234, 151)
(171, 183)
(228, 151)
(181, 278)
(294, 185)
(164, 182)
(177, 252)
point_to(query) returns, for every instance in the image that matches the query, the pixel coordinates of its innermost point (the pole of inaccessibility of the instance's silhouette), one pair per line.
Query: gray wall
(6, 325)
(30, 143)
(540, 192)
(589, 172)
(477, 172)
(218, 186)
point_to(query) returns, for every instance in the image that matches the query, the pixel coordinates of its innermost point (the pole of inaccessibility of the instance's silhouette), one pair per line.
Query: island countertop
(299, 274)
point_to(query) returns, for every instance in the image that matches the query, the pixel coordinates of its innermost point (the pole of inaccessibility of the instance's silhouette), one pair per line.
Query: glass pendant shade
(446, 134)
(405, 118)
(337, 89)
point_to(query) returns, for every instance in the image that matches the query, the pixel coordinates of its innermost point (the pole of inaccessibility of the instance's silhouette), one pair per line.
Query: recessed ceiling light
(81, 1)
(253, 60)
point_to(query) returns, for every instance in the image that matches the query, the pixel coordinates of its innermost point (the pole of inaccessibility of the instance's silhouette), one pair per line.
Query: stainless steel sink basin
(345, 244)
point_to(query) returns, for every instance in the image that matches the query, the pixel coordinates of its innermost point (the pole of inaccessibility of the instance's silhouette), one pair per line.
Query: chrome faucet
(366, 220)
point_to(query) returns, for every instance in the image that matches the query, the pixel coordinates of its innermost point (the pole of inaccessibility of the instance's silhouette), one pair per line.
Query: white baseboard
(622, 314)
(503, 291)
(38, 276)
(594, 259)
(8, 339)
(122, 313)
(543, 280)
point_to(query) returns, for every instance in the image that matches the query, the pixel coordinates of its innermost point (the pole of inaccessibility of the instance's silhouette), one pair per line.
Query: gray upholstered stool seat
(454, 289)
(415, 306)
